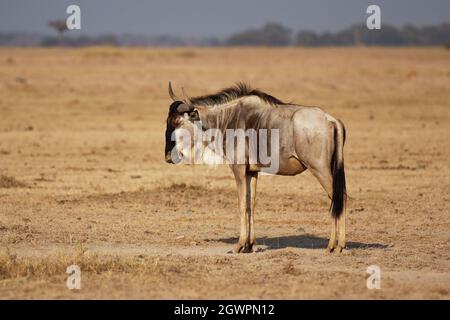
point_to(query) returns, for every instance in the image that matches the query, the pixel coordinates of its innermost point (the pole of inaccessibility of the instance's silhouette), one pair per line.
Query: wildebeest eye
(194, 115)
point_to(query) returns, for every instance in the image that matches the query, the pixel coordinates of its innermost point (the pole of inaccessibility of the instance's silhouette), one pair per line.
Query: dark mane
(237, 91)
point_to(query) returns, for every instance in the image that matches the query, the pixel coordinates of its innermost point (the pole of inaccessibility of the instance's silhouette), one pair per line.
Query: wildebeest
(309, 138)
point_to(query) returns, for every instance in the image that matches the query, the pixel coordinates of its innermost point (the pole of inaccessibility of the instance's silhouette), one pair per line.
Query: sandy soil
(83, 177)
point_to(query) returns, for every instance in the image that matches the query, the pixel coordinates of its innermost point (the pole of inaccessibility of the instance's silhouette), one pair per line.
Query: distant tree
(272, 34)
(307, 38)
(411, 35)
(436, 35)
(356, 37)
(386, 36)
(60, 27)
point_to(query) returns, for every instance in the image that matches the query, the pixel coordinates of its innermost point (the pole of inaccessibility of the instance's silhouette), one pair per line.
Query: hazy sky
(214, 17)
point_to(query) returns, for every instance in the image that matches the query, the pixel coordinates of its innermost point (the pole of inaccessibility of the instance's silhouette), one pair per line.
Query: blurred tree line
(271, 34)
(387, 36)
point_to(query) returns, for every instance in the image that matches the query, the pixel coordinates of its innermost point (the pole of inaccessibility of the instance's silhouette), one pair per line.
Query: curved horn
(182, 108)
(186, 97)
(171, 94)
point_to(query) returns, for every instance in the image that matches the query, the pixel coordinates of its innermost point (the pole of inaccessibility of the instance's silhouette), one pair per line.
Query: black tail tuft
(339, 190)
(337, 168)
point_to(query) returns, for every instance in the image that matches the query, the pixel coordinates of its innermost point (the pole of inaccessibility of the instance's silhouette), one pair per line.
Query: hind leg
(338, 224)
(341, 228)
(332, 242)
(323, 175)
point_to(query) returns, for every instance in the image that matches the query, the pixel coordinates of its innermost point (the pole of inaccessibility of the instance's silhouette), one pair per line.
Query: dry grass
(55, 264)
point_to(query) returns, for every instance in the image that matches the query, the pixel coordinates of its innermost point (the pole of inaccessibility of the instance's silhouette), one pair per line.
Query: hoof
(339, 249)
(237, 248)
(331, 248)
(336, 249)
(243, 248)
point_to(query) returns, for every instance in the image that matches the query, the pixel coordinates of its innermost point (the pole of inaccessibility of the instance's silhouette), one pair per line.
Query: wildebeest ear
(182, 108)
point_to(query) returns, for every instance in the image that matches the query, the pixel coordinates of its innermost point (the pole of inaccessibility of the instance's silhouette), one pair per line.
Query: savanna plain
(83, 178)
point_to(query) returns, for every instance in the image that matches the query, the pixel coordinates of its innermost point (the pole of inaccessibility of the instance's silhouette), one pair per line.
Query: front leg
(251, 178)
(244, 244)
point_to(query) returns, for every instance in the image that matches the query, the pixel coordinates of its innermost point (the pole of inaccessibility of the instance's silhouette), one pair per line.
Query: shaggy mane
(239, 90)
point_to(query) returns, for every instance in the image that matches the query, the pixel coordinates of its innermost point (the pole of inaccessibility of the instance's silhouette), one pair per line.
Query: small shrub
(10, 182)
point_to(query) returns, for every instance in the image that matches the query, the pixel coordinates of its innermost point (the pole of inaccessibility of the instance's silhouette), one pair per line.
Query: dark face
(180, 116)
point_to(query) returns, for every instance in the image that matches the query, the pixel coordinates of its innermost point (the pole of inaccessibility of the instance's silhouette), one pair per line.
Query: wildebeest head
(182, 115)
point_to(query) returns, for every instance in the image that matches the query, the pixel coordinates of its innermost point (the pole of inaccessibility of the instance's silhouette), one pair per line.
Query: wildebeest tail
(337, 168)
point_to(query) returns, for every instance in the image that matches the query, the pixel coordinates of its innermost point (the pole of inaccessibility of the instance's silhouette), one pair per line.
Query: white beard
(211, 158)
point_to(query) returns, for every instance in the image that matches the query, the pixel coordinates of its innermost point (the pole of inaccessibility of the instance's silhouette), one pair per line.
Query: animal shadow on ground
(304, 242)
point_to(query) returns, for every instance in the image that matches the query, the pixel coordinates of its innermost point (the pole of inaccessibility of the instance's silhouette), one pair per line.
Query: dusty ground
(83, 178)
